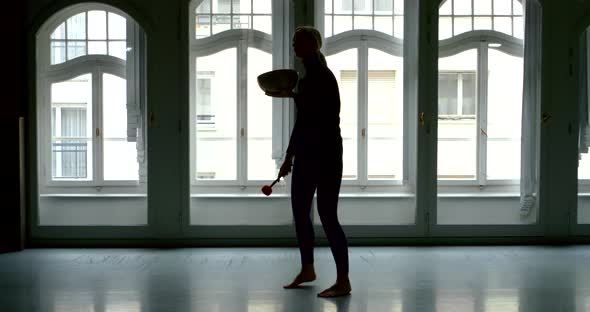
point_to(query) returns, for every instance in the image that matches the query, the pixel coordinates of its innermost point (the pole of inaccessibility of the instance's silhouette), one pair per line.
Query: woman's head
(307, 41)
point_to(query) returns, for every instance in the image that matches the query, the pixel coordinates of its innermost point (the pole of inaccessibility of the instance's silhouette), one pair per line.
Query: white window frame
(481, 41)
(96, 65)
(453, 16)
(362, 40)
(241, 39)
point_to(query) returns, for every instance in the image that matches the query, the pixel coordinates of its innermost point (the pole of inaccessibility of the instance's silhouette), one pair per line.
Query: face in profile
(302, 45)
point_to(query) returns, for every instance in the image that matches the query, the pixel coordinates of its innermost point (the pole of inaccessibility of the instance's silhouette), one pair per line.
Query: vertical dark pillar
(13, 106)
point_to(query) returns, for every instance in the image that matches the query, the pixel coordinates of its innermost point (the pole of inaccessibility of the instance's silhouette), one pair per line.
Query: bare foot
(307, 274)
(340, 288)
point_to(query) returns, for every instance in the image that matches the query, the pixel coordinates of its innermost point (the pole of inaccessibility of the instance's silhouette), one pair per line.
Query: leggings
(326, 177)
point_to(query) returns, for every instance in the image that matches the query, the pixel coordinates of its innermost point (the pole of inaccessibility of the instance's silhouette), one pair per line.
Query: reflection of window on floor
(69, 145)
(456, 95)
(205, 115)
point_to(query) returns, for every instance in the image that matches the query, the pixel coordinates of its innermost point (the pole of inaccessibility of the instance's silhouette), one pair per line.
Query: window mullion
(58, 156)
(482, 109)
(97, 132)
(363, 95)
(242, 102)
(460, 94)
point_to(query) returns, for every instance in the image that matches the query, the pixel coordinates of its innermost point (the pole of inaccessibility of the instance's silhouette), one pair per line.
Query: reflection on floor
(501, 279)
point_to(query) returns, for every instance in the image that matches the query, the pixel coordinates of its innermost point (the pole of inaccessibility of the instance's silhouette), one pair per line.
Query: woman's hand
(286, 167)
(287, 93)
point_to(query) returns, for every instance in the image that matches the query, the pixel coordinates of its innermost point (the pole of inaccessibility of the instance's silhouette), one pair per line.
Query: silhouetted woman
(315, 153)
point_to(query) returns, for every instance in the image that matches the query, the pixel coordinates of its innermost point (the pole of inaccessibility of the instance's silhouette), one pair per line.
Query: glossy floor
(501, 279)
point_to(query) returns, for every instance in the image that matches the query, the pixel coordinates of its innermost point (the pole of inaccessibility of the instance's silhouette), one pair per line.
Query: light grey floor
(501, 279)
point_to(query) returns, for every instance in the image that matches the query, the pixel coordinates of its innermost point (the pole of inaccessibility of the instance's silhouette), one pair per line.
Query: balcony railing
(69, 160)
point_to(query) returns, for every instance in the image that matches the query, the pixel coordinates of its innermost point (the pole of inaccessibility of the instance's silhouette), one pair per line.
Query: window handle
(363, 132)
(483, 132)
(242, 132)
(545, 118)
(422, 119)
(97, 132)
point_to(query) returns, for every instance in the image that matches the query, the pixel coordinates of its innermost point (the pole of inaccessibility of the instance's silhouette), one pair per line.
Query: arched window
(364, 49)
(90, 99)
(230, 45)
(480, 91)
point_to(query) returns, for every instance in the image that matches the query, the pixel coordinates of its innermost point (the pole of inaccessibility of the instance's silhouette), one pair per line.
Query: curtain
(530, 107)
(584, 127)
(136, 99)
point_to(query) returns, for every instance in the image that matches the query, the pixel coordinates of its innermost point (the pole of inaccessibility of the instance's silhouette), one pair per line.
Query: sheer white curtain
(531, 106)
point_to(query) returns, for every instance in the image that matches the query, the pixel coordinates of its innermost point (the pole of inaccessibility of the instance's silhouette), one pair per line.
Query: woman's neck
(312, 61)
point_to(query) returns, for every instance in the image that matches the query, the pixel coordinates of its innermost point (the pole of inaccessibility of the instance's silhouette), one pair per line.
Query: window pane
(58, 52)
(446, 8)
(218, 135)
(505, 80)
(221, 23)
(517, 7)
(399, 7)
(344, 66)
(462, 25)
(97, 25)
(242, 6)
(243, 22)
(462, 7)
(71, 122)
(445, 28)
(221, 6)
(263, 23)
(362, 7)
(468, 84)
(203, 28)
(456, 133)
(502, 7)
(261, 166)
(120, 160)
(76, 49)
(448, 86)
(114, 107)
(117, 27)
(77, 26)
(59, 32)
(519, 27)
(342, 24)
(384, 24)
(97, 47)
(262, 6)
(118, 49)
(384, 7)
(398, 27)
(503, 24)
(120, 156)
(385, 113)
(328, 6)
(482, 23)
(584, 167)
(343, 6)
(363, 22)
(328, 26)
(204, 7)
(482, 7)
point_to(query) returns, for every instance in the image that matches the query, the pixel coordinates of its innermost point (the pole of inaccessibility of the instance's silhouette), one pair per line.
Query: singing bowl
(279, 80)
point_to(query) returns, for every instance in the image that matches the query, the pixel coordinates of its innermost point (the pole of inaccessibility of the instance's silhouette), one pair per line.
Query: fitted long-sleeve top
(317, 125)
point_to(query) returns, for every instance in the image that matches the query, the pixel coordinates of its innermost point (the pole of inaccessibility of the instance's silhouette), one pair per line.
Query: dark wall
(13, 106)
